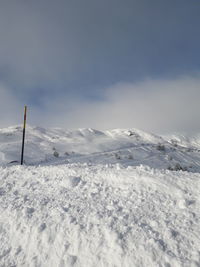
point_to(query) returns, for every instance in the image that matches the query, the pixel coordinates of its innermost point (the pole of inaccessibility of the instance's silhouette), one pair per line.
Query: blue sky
(60, 57)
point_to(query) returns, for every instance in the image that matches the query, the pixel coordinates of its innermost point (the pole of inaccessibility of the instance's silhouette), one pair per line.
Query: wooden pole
(23, 137)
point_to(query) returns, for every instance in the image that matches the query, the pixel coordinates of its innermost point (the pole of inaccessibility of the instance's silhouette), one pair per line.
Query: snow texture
(107, 199)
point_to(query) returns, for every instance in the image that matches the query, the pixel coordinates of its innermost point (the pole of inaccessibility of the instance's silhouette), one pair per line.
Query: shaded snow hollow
(106, 199)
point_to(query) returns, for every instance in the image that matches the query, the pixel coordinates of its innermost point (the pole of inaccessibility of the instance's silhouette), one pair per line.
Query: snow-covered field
(94, 198)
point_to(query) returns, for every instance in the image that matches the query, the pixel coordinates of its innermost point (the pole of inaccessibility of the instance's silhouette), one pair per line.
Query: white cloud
(154, 105)
(159, 106)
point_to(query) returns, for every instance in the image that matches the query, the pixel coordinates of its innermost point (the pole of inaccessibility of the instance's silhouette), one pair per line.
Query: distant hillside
(125, 146)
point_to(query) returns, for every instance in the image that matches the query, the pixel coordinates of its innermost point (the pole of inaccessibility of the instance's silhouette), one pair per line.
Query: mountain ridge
(86, 145)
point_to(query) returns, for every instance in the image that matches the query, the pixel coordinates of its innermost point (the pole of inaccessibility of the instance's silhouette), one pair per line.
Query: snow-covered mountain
(128, 147)
(89, 198)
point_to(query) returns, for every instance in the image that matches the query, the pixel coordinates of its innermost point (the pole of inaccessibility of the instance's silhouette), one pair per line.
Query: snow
(89, 207)
(129, 147)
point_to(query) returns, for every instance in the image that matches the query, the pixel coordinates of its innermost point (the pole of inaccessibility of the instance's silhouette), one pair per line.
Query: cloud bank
(159, 106)
(154, 105)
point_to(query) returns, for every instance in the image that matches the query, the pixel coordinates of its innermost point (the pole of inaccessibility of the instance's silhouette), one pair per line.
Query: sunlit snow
(99, 198)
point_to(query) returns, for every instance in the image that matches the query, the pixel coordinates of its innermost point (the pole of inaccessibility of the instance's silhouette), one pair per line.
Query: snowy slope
(128, 147)
(106, 200)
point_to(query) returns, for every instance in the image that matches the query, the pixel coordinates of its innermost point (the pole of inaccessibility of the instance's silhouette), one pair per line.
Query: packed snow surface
(92, 198)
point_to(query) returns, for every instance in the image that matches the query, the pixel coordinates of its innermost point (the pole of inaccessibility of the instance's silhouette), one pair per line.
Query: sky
(101, 64)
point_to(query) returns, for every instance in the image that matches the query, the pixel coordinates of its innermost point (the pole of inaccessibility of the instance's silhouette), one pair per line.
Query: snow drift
(105, 199)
